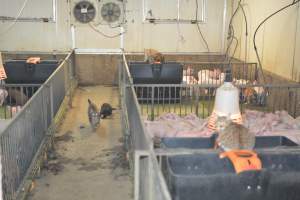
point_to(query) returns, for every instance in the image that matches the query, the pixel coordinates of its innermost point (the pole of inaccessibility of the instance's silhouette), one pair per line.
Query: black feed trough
(20, 72)
(208, 143)
(207, 177)
(152, 74)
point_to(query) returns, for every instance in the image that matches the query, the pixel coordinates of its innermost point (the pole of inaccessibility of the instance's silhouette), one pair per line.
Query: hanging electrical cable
(245, 17)
(260, 25)
(105, 35)
(198, 28)
(118, 25)
(231, 30)
(235, 12)
(230, 42)
(246, 35)
(230, 38)
(235, 48)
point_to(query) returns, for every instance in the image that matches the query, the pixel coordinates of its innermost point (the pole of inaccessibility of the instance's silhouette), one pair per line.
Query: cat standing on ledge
(153, 56)
(233, 136)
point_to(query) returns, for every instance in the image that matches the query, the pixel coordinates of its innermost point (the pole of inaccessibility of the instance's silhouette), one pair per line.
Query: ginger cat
(153, 56)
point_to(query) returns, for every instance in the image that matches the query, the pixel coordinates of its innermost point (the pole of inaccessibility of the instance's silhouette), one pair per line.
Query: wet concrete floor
(85, 164)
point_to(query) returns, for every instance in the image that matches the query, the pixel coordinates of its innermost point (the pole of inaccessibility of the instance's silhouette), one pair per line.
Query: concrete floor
(85, 164)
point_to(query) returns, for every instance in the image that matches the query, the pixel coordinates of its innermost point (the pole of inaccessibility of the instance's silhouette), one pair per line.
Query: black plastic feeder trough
(205, 176)
(20, 72)
(151, 74)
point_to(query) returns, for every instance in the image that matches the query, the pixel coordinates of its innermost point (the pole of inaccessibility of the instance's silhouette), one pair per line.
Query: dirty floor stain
(85, 164)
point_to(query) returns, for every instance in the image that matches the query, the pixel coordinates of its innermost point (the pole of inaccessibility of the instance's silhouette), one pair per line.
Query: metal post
(123, 83)
(197, 92)
(43, 110)
(51, 101)
(136, 176)
(152, 103)
(151, 177)
(1, 192)
(119, 75)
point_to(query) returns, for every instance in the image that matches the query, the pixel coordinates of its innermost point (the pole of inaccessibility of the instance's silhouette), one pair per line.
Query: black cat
(106, 110)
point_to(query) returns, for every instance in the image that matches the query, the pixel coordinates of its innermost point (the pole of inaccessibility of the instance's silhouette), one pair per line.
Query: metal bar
(23, 136)
(166, 95)
(137, 155)
(51, 100)
(22, 85)
(184, 151)
(283, 85)
(152, 103)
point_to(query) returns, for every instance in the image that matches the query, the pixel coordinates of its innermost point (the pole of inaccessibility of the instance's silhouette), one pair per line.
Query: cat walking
(93, 115)
(106, 110)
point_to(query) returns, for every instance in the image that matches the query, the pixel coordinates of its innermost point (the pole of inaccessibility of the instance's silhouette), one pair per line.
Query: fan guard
(84, 11)
(110, 12)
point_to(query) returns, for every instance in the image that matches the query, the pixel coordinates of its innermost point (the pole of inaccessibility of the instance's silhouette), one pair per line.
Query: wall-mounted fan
(111, 12)
(84, 11)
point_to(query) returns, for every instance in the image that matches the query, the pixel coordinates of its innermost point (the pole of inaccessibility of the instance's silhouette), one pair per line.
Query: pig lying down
(259, 124)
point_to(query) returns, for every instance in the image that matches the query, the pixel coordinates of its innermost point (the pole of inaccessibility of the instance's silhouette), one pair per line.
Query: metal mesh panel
(149, 184)
(199, 99)
(142, 101)
(22, 138)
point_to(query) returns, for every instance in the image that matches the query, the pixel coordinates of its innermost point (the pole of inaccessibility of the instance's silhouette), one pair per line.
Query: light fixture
(226, 103)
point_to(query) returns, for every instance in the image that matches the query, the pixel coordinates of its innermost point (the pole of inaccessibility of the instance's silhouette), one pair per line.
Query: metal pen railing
(13, 97)
(141, 101)
(23, 136)
(213, 73)
(149, 183)
(182, 99)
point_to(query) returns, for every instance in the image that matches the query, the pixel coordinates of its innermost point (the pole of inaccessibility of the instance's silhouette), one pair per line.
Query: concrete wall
(278, 41)
(39, 36)
(103, 69)
(164, 37)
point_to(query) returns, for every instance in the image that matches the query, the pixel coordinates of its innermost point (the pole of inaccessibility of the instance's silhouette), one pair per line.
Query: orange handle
(243, 160)
(245, 153)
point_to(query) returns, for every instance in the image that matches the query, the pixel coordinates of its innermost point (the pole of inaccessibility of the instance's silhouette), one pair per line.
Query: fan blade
(90, 7)
(111, 6)
(104, 13)
(104, 8)
(77, 12)
(108, 18)
(84, 18)
(117, 14)
(90, 15)
(116, 9)
(84, 6)
(91, 11)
